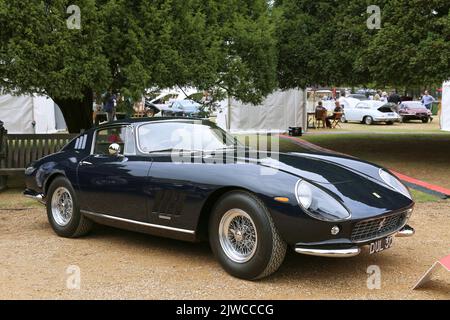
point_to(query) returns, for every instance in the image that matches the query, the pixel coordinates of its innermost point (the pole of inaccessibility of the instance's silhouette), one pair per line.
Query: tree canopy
(328, 42)
(244, 47)
(130, 46)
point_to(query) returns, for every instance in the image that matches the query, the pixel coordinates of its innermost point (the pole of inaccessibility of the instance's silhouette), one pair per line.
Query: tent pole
(229, 113)
(33, 122)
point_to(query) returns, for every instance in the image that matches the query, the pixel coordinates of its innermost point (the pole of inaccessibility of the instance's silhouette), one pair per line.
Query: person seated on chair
(337, 109)
(319, 107)
(320, 111)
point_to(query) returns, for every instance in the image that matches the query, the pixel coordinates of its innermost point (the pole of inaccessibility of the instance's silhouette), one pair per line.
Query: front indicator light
(282, 199)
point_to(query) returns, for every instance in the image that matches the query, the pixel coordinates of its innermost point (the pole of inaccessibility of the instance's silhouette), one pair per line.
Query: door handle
(86, 163)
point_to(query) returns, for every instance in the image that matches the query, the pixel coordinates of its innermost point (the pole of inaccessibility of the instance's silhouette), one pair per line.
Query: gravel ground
(118, 264)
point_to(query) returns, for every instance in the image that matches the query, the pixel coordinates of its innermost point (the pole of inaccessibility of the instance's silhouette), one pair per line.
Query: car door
(361, 110)
(174, 195)
(114, 184)
(350, 113)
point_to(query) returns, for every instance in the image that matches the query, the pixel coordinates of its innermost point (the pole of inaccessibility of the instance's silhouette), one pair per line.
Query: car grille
(376, 228)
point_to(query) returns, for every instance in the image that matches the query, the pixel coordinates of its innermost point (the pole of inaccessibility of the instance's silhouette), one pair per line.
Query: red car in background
(414, 110)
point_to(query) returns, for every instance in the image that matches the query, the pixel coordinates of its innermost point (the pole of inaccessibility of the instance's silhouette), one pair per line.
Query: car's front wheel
(63, 210)
(244, 238)
(425, 120)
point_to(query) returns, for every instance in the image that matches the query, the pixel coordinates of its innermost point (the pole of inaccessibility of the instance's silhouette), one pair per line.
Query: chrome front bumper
(406, 231)
(332, 253)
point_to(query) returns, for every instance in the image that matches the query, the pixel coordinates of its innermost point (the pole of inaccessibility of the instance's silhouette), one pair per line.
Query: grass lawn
(409, 127)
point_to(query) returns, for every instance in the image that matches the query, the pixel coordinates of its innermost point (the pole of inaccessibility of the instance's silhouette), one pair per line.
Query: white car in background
(370, 112)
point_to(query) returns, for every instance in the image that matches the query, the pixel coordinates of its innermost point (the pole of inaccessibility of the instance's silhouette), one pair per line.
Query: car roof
(412, 102)
(373, 103)
(152, 119)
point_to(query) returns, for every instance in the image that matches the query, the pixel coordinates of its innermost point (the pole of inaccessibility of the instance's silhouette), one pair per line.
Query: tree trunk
(77, 113)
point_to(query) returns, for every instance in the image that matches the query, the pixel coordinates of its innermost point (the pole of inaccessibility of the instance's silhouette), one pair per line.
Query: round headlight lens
(304, 195)
(319, 204)
(394, 183)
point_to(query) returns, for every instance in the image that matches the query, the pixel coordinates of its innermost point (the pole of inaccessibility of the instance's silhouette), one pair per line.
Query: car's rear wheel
(404, 120)
(368, 120)
(63, 210)
(244, 238)
(389, 123)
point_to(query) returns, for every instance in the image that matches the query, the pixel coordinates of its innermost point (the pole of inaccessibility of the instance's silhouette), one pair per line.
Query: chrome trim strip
(331, 253)
(77, 144)
(83, 146)
(150, 225)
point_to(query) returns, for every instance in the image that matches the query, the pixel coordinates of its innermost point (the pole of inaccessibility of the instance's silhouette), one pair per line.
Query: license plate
(381, 245)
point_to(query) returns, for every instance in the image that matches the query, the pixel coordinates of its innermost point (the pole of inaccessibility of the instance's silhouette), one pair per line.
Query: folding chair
(337, 120)
(321, 116)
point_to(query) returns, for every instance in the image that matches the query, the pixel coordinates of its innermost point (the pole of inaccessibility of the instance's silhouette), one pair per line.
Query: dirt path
(117, 264)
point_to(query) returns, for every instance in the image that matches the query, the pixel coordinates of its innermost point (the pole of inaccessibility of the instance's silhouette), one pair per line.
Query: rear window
(385, 109)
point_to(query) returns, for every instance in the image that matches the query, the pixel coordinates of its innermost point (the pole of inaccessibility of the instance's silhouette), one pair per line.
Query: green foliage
(413, 46)
(130, 46)
(327, 42)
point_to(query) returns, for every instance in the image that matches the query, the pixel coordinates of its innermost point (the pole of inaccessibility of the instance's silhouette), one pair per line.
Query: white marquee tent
(445, 108)
(279, 111)
(30, 114)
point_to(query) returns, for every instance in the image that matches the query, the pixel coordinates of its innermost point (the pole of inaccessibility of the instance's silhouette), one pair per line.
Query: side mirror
(114, 149)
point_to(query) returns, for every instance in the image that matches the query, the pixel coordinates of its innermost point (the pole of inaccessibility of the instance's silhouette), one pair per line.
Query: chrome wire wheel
(62, 206)
(238, 236)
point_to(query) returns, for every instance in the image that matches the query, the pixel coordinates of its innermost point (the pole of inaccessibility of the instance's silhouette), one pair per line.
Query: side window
(123, 136)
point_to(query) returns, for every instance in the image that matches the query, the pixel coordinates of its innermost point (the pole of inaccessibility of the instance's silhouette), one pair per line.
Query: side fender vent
(169, 202)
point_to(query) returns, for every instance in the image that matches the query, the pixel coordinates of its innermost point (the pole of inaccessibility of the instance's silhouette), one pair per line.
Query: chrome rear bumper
(36, 196)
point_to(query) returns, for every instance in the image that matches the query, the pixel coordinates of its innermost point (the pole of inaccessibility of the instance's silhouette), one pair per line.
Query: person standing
(427, 100)
(394, 98)
(384, 97)
(110, 106)
(377, 96)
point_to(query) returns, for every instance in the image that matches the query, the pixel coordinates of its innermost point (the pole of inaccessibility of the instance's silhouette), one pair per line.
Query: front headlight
(318, 203)
(394, 183)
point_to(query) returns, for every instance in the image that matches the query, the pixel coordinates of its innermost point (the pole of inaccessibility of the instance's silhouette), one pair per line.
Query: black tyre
(63, 210)
(389, 123)
(244, 238)
(425, 120)
(368, 120)
(404, 120)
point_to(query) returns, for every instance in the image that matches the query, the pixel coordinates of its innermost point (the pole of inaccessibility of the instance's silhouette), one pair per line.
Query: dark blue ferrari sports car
(187, 179)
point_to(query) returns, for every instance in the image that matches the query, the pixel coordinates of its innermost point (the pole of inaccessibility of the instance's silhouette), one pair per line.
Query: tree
(413, 46)
(328, 43)
(39, 54)
(129, 46)
(319, 40)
